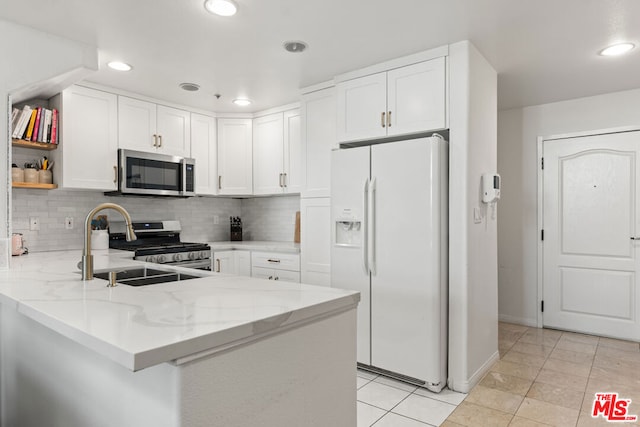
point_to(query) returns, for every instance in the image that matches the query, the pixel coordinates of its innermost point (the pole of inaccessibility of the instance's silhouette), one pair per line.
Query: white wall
(518, 130)
(22, 75)
(473, 281)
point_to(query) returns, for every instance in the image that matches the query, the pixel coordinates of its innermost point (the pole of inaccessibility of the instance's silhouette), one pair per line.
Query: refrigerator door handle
(371, 229)
(365, 231)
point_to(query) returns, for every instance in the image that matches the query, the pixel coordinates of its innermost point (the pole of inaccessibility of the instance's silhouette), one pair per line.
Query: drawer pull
(273, 260)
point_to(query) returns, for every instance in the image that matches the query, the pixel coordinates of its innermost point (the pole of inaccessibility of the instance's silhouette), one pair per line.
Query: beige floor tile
(571, 356)
(448, 423)
(524, 358)
(523, 422)
(619, 344)
(576, 346)
(578, 369)
(547, 413)
(506, 382)
(559, 379)
(516, 369)
(535, 349)
(541, 336)
(581, 338)
(512, 327)
(560, 396)
(469, 414)
(617, 365)
(630, 379)
(614, 353)
(495, 399)
(504, 347)
(507, 335)
(586, 420)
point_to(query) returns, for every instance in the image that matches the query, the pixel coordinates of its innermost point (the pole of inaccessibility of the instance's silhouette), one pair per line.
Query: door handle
(365, 226)
(382, 123)
(371, 244)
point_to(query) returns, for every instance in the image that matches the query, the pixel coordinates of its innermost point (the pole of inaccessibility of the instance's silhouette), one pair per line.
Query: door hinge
(542, 234)
(542, 306)
(542, 163)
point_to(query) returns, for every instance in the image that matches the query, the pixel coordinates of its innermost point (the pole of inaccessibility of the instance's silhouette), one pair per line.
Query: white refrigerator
(389, 242)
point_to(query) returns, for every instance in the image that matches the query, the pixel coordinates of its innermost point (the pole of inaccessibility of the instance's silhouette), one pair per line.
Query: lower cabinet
(232, 262)
(315, 238)
(276, 266)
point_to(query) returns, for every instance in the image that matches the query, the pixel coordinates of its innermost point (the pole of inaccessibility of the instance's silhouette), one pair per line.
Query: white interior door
(590, 223)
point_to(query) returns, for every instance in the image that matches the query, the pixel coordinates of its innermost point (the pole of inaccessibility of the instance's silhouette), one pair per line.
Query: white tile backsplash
(266, 218)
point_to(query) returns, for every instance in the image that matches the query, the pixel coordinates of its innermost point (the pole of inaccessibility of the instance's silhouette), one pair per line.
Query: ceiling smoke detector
(189, 87)
(295, 46)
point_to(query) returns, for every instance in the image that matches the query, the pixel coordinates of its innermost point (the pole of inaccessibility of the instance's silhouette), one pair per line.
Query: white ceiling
(543, 50)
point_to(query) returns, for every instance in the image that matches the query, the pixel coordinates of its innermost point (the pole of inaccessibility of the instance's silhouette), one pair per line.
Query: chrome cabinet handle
(389, 119)
(219, 182)
(277, 261)
(634, 238)
(115, 174)
(382, 119)
(280, 180)
(160, 139)
(155, 140)
(284, 180)
(217, 265)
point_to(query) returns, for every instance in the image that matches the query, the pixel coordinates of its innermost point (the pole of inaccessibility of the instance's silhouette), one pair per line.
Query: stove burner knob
(162, 259)
(150, 259)
(193, 256)
(203, 255)
(177, 257)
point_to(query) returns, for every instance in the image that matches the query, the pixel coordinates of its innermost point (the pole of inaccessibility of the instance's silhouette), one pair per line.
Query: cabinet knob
(382, 122)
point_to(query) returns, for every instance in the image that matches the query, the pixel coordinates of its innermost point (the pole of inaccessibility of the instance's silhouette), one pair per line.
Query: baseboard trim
(518, 320)
(466, 385)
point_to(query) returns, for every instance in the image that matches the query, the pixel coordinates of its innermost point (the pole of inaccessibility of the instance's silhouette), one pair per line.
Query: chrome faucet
(87, 258)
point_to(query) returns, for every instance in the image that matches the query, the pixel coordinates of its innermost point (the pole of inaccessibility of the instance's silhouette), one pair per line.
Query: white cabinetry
(315, 241)
(232, 262)
(204, 150)
(276, 153)
(404, 100)
(87, 155)
(276, 266)
(145, 126)
(318, 122)
(235, 157)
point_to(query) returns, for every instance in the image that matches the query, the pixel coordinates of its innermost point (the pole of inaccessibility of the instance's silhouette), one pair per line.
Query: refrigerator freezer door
(350, 175)
(407, 288)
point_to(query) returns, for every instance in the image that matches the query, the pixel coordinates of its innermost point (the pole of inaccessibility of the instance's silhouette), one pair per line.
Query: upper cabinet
(277, 154)
(87, 157)
(204, 150)
(145, 126)
(401, 101)
(318, 122)
(235, 157)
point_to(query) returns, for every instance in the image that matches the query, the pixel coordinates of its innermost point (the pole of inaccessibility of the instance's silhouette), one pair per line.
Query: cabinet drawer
(275, 261)
(272, 274)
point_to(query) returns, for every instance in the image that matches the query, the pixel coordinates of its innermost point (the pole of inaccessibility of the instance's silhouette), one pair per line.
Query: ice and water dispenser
(348, 232)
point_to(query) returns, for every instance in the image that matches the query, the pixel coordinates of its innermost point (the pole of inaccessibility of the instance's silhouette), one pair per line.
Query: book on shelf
(36, 129)
(46, 133)
(21, 125)
(30, 126)
(15, 116)
(54, 126)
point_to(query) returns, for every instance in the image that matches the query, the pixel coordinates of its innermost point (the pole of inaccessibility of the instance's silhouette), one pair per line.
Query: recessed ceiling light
(295, 46)
(242, 102)
(617, 49)
(189, 87)
(221, 7)
(119, 66)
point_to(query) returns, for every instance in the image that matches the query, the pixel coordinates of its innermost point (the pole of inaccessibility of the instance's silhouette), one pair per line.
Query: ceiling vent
(295, 46)
(189, 87)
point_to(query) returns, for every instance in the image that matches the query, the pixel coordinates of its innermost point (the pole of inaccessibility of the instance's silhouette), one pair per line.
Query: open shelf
(36, 186)
(32, 144)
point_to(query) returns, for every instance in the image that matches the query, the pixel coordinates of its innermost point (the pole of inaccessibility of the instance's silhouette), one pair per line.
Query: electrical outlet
(34, 223)
(216, 219)
(68, 223)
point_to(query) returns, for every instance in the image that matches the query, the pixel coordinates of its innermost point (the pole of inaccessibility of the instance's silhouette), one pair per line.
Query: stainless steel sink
(141, 276)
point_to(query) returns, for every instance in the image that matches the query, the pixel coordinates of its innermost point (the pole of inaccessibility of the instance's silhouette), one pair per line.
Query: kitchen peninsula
(220, 350)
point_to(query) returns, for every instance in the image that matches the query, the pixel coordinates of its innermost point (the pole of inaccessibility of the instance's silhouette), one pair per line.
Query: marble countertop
(256, 245)
(139, 327)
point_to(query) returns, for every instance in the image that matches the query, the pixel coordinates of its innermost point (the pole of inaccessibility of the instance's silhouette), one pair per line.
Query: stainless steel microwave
(155, 174)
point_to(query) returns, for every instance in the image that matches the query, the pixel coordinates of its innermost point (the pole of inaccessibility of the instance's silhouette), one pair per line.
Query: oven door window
(152, 174)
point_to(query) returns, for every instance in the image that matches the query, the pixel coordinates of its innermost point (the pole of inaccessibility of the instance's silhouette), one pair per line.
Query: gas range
(159, 242)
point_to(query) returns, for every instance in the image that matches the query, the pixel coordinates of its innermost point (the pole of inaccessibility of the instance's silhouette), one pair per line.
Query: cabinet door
(318, 122)
(174, 131)
(292, 178)
(315, 241)
(268, 154)
(224, 262)
(234, 157)
(205, 151)
(87, 156)
(136, 124)
(416, 98)
(362, 106)
(243, 263)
